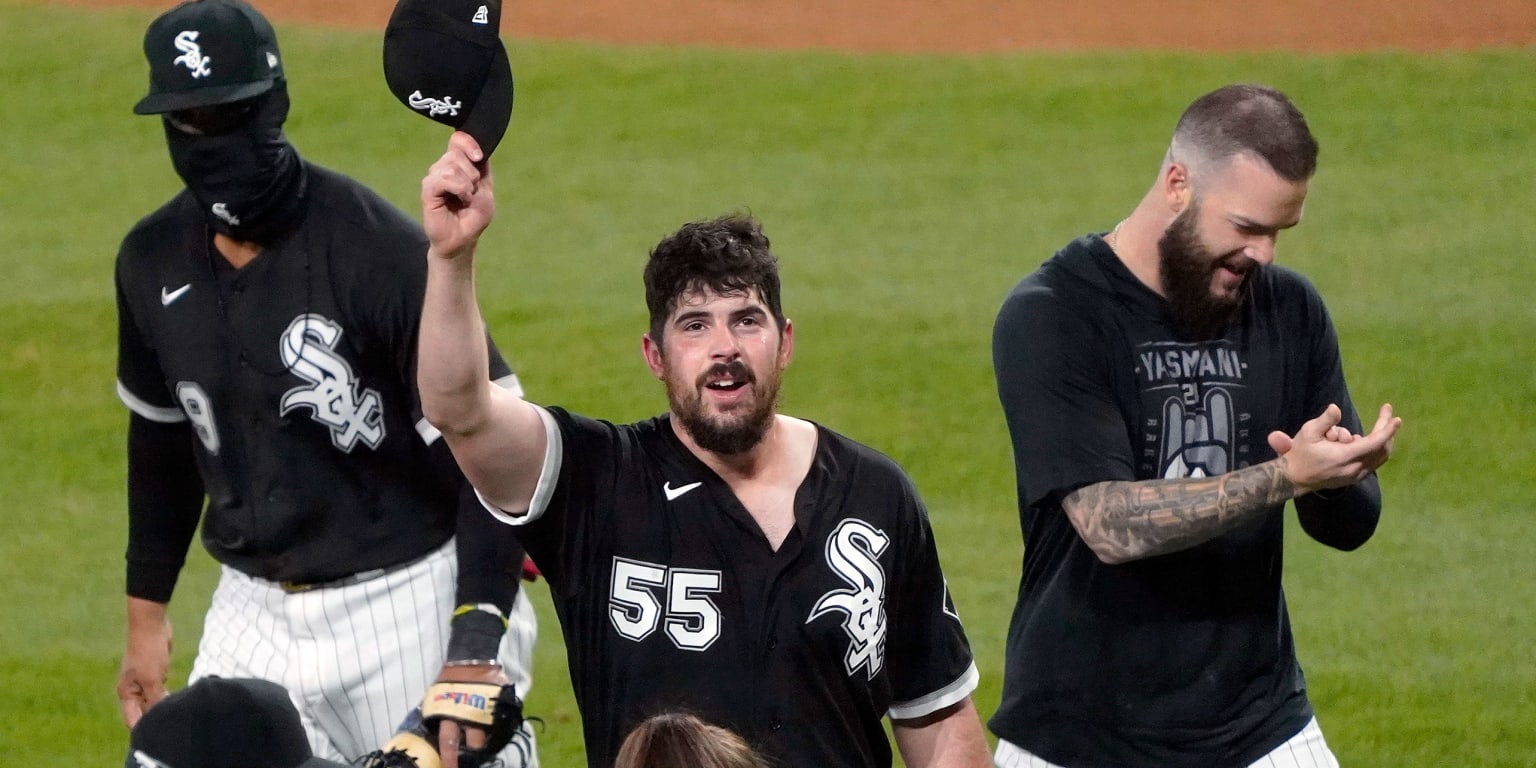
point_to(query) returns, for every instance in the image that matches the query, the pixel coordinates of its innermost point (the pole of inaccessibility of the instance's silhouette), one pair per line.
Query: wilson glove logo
(192, 54)
(853, 552)
(461, 698)
(434, 107)
(308, 349)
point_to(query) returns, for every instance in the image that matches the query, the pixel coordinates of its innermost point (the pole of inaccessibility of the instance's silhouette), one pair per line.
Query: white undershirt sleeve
(554, 454)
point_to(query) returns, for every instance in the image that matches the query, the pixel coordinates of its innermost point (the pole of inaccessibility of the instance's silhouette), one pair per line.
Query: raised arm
(1125, 520)
(496, 437)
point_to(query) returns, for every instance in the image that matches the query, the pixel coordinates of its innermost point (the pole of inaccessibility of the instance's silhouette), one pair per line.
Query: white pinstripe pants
(1306, 749)
(356, 658)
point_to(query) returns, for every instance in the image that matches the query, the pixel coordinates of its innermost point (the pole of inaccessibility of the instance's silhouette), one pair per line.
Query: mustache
(735, 369)
(1236, 260)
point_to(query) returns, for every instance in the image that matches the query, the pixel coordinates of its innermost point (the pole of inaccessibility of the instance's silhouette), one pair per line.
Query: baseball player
(1168, 389)
(774, 577)
(267, 321)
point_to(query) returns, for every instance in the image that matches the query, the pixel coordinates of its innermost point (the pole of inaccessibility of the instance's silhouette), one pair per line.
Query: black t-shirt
(670, 597)
(1183, 659)
(297, 373)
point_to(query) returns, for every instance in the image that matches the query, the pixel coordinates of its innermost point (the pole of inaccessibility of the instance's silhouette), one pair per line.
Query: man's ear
(786, 342)
(650, 349)
(1177, 186)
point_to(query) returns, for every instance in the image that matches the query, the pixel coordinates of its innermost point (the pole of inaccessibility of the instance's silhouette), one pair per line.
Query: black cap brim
(487, 122)
(175, 101)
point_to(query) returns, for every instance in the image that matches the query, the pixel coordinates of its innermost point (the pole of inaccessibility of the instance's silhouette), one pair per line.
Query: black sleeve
(1067, 429)
(165, 495)
(931, 664)
(1344, 518)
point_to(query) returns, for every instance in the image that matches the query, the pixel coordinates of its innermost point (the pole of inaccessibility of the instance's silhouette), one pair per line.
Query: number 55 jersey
(671, 597)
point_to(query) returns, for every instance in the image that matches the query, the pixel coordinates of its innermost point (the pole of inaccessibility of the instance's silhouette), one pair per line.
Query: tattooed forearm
(1124, 521)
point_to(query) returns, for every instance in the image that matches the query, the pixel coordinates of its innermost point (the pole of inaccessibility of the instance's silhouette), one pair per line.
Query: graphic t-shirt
(1174, 659)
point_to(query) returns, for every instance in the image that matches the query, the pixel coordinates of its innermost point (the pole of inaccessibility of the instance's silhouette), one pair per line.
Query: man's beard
(726, 435)
(1187, 266)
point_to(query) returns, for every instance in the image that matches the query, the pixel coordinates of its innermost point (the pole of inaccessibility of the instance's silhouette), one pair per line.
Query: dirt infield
(983, 25)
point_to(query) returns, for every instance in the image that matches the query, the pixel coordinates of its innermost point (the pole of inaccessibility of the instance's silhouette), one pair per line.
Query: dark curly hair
(728, 255)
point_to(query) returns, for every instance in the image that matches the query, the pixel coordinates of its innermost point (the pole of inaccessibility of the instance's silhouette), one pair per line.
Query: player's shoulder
(1062, 300)
(356, 210)
(1071, 275)
(868, 467)
(625, 437)
(156, 231)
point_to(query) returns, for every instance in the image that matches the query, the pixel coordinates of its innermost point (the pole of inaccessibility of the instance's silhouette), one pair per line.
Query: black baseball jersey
(1184, 659)
(671, 598)
(297, 375)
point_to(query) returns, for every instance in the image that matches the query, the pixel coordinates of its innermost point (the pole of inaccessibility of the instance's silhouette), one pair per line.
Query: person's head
(684, 741)
(718, 336)
(223, 723)
(216, 80)
(1236, 173)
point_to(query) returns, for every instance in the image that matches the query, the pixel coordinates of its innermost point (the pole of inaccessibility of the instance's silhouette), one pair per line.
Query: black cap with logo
(223, 723)
(444, 59)
(208, 52)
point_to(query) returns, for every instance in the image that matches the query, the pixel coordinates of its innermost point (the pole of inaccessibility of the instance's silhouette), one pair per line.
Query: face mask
(249, 181)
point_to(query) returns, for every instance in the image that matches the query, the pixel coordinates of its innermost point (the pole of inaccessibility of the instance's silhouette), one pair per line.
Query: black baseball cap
(444, 59)
(204, 53)
(223, 723)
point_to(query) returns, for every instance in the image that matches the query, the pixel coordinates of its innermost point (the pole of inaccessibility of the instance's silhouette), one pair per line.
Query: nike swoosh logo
(673, 493)
(166, 297)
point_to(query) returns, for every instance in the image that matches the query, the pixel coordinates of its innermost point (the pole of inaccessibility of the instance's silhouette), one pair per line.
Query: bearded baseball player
(1169, 387)
(761, 571)
(267, 322)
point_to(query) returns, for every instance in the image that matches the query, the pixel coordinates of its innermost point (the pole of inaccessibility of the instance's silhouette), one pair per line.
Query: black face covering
(248, 182)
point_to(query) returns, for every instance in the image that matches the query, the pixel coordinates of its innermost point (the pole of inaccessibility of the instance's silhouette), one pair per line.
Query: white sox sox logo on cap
(443, 106)
(192, 54)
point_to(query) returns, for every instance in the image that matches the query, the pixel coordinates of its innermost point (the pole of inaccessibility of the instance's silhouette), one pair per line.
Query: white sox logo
(853, 552)
(221, 210)
(192, 54)
(145, 761)
(443, 106)
(307, 349)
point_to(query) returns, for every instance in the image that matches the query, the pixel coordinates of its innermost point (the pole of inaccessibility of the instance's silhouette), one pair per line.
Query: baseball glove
(404, 750)
(493, 708)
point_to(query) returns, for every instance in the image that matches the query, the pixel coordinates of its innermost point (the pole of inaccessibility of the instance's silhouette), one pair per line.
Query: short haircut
(681, 740)
(728, 255)
(1246, 119)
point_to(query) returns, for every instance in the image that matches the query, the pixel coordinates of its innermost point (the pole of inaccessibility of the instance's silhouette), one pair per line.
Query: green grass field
(904, 195)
